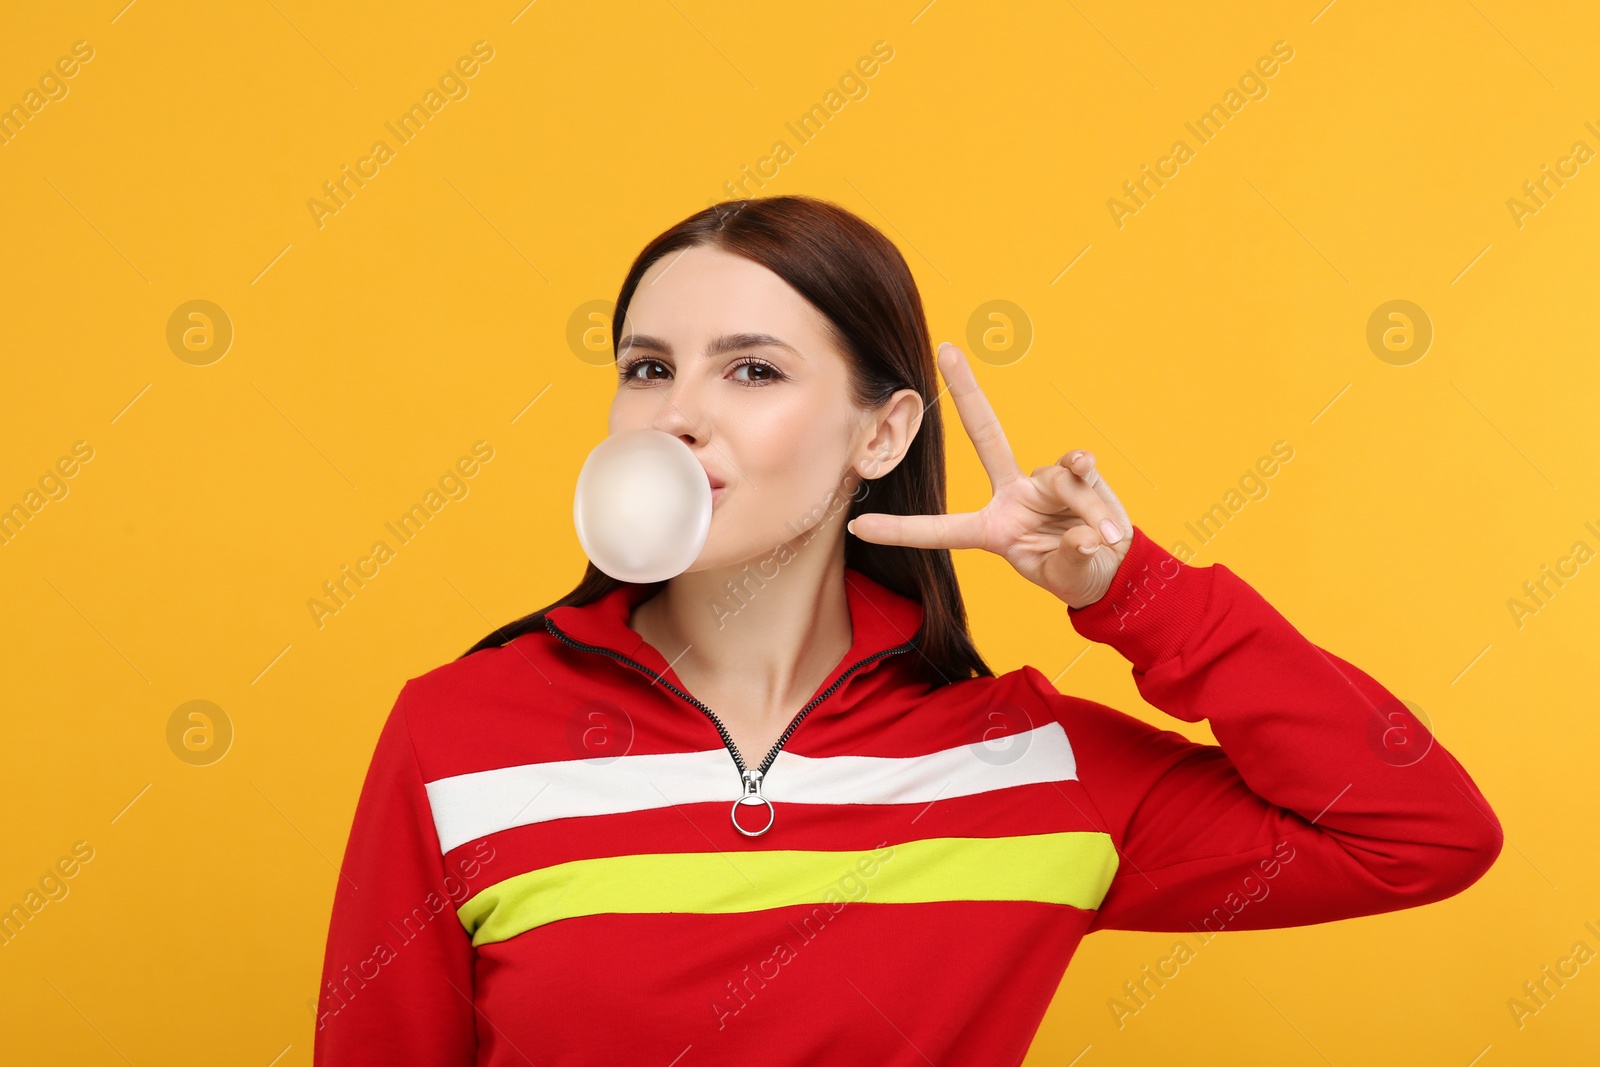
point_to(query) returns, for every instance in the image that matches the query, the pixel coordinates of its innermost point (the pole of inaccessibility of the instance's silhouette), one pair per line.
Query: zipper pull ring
(752, 795)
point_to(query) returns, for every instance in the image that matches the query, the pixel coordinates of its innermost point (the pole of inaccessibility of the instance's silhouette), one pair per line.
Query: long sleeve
(397, 976)
(1325, 797)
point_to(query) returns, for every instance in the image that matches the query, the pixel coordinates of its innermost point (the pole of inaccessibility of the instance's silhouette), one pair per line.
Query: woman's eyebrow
(731, 342)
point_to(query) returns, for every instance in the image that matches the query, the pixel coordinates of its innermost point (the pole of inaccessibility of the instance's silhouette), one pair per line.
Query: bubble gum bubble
(642, 506)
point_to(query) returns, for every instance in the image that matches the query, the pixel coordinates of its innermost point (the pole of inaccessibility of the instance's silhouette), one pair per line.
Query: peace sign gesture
(1061, 527)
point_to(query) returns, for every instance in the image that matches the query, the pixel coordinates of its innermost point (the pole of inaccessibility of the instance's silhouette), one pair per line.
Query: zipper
(749, 777)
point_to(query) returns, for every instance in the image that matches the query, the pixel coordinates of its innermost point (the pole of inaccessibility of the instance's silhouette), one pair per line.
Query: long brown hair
(860, 283)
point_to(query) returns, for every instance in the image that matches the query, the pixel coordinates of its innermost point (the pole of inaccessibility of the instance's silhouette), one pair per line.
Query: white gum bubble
(642, 506)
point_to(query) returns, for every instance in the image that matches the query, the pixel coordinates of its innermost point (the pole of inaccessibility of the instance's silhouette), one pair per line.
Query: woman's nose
(680, 412)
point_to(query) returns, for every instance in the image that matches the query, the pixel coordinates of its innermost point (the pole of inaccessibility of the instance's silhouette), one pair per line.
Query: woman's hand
(1061, 527)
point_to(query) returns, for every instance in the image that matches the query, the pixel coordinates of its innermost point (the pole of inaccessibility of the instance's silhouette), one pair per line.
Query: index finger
(979, 419)
(961, 530)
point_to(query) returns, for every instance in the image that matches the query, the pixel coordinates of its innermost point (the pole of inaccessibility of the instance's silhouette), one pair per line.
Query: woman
(777, 809)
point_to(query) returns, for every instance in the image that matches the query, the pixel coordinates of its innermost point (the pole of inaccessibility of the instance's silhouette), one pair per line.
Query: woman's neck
(757, 646)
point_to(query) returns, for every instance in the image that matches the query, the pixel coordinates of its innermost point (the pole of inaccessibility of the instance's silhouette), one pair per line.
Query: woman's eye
(629, 371)
(760, 372)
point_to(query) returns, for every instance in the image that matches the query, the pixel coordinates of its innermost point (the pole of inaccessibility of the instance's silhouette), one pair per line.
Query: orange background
(445, 303)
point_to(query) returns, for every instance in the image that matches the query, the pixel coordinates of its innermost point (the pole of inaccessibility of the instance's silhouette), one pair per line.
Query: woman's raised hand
(1061, 527)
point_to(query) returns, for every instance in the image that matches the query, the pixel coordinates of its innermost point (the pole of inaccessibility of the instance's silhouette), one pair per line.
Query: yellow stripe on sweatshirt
(1072, 868)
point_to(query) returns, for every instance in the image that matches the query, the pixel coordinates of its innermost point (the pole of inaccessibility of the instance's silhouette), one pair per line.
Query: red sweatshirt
(544, 866)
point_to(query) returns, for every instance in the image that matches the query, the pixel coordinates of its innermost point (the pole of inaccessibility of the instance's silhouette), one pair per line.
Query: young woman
(777, 809)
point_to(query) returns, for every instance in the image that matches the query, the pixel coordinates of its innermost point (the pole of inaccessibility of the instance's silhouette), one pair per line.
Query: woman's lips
(717, 487)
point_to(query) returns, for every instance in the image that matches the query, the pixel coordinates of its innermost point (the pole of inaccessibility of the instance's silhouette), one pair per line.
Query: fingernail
(1112, 531)
(851, 526)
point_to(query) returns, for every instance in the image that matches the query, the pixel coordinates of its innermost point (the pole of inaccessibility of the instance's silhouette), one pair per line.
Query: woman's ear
(891, 429)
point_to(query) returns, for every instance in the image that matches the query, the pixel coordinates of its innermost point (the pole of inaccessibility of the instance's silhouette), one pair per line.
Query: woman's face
(720, 352)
